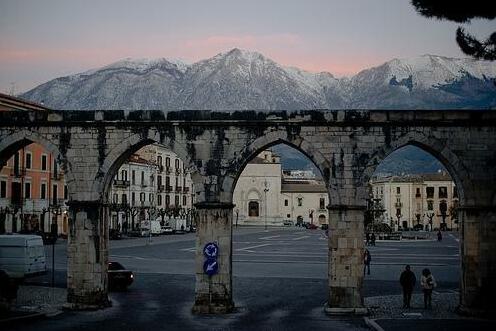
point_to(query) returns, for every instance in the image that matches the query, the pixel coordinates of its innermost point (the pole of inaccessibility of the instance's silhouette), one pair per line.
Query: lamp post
(266, 189)
(56, 211)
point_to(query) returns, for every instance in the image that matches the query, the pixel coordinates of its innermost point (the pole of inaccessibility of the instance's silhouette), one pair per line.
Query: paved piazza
(280, 280)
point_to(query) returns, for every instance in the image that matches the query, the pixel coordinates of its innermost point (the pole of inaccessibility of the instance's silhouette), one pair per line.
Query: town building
(428, 201)
(267, 195)
(32, 186)
(153, 183)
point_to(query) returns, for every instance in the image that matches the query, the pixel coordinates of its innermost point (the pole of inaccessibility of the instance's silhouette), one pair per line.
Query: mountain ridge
(245, 80)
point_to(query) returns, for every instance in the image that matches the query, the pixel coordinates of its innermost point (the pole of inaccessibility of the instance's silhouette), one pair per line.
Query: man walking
(366, 261)
(407, 281)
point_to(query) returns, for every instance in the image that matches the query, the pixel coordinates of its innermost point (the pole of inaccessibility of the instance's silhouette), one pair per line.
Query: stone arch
(22, 138)
(121, 152)
(266, 141)
(431, 145)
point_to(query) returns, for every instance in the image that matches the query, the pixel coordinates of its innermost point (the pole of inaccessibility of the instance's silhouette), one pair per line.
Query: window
(253, 209)
(17, 170)
(3, 189)
(430, 205)
(55, 169)
(27, 190)
(322, 203)
(150, 197)
(176, 200)
(55, 194)
(115, 198)
(159, 199)
(142, 197)
(455, 192)
(398, 190)
(142, 178)
(159, 160)
(443, 192)
(133, 177)
(300, 202)
(124, 199)
(133, 198)
(286, 202)
(29, 158)
(398, 212)
(184, 200)
(417, 194)
(167, 182)
(177, 183)
(167, 162)
(124, 175)
(159, 181)
(177, 164)
(43, 191)
(443, 207)
(167, 200)
(43, 162)
(66, 193)
(288, 215)
(430, 192)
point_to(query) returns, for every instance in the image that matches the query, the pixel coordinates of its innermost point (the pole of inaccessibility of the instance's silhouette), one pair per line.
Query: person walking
(407, 281)
(366, 261)
(428, 283)
(367, 239)
(372, 239)
(439, 235)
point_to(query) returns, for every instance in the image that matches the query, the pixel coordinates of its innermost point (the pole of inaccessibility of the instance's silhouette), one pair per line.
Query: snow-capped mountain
(239, 80)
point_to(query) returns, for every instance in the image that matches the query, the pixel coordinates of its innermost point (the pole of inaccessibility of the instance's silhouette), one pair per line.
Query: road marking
(299, 238)
(251, 247)
(456, 239)
(270, 237)
(191, 249)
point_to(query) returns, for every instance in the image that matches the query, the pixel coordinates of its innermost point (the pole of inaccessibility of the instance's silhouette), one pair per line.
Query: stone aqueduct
(345, 145)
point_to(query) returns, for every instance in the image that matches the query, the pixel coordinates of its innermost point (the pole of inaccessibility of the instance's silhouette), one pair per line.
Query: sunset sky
(42, 40)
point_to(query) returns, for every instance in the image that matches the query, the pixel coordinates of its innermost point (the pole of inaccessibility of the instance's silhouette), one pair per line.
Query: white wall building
(417, 199)
(263, 195)
(153, 183)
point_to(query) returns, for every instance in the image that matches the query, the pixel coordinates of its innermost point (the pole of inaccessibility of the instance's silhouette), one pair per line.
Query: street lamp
(266, 189)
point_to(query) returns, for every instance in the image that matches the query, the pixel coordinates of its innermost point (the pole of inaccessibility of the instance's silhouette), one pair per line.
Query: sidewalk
(35, 302)
(386, 313)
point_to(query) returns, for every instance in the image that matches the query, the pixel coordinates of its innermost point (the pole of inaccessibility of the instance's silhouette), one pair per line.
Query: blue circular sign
(211, 250)
(211, 266)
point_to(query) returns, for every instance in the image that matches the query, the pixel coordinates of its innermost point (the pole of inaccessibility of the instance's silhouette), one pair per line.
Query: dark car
(312, 226)
(115, 234)
(119, 278)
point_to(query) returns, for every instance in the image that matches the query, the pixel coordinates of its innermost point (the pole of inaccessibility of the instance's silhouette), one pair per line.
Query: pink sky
(40, 41)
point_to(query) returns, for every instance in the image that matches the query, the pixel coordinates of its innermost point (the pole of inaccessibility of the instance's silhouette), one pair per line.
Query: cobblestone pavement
(443, 306)
(40, 299)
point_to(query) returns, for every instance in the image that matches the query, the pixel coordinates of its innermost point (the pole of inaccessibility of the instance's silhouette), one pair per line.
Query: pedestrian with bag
(428, 284)
(407, 281)
(366, 261)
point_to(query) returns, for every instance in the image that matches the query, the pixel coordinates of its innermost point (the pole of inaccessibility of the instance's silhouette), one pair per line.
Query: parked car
(119, 278)
(312, 226)
(324, 226)
(114, 234)
(166, 230)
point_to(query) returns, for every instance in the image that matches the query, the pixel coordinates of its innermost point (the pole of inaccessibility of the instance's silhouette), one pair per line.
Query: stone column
(87, 256)
(213, 294)
(345, 260)
(478, 259)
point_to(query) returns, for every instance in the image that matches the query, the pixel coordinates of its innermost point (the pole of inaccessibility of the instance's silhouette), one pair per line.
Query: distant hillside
(245, 80)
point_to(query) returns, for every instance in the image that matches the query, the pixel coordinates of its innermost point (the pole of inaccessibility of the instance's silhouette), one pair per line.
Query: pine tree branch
(469, 45)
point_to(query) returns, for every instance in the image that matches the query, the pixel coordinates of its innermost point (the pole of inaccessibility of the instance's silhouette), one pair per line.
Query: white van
(22, 255)
(155, 228)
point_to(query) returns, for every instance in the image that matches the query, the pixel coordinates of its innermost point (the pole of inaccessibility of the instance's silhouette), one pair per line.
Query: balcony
(168, 189)
(186, 190)
(18, 172)
(160, 168)
(168, 170)
(121, 183)
(178, 171)
(179, 188)
(398, 204)
(160, 188)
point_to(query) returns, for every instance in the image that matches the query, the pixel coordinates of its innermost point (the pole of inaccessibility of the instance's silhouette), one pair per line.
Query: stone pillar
(213, 294)
(87, 256)
(346, 250)
(478, 259)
